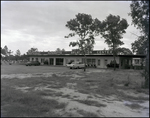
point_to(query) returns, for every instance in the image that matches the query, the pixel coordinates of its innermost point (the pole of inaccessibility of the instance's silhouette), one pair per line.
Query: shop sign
(104, 52)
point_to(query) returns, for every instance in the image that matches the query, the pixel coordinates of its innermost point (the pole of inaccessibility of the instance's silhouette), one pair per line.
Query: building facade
(99, 58)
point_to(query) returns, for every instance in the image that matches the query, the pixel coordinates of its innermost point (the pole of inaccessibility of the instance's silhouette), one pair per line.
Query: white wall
(102, 61)
(68, 59)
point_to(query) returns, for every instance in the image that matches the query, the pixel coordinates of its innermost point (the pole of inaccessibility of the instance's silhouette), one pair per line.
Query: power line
(134, 34)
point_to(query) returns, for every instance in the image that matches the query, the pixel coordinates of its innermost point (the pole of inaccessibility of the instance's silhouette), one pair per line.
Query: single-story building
(99, 58)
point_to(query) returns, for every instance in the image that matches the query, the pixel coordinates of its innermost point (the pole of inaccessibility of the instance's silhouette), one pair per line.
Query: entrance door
(98, 62)
(59, 61)
(51, 61)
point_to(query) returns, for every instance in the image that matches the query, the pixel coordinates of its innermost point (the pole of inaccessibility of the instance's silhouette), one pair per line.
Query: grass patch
(83, 91)
(44, 92)
(134, 106)
(38, 81)
(127, 97)
(89, 97)
(18, 104)
(66, 96)
(31, 103)
(86, 114)
(91, 103)
(58, 93)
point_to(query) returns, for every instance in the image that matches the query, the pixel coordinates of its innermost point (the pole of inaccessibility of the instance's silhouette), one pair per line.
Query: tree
(9, 52)
(3, 51)
(6, 50)
(63, 50)
(32, 50)
(18, 54)
(83, 26)
(124, 51)
(112, 30)
(58, 50)
(140, 19)
(24, 57)
(138, 46)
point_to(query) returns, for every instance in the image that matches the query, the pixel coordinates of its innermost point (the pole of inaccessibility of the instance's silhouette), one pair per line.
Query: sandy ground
(114, 107)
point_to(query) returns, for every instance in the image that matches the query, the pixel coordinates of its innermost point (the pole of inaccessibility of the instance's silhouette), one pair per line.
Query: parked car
(77, 65)
(35, 63)
(69, 64)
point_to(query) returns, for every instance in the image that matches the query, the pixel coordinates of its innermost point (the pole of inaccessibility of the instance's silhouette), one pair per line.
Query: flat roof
(142, 56)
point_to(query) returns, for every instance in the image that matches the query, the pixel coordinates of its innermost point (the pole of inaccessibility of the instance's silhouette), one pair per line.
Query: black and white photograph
(75, 58)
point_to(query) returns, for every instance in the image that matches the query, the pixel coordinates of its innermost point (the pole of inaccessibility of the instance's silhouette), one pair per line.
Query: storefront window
(51, 61)
(137, 61)
(59, 61)
(91, 61)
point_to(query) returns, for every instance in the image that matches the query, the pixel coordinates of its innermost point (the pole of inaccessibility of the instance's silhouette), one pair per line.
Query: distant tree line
(6, 54)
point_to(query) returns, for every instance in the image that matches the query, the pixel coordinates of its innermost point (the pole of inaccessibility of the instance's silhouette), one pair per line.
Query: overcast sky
(41, 24)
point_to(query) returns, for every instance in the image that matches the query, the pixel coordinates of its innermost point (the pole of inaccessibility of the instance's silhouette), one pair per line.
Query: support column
(64, 62)
(119, 63)
(54, 61)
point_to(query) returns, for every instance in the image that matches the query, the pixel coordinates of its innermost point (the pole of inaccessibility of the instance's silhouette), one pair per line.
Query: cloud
(25, 24)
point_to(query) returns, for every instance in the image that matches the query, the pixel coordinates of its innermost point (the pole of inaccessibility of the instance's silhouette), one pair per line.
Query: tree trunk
(114, 57)
(84, 62)
(114, 63)
(146, 84)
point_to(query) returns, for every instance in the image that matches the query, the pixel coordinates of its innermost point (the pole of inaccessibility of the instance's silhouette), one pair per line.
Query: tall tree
(140, 19)
(124, 51)
(138, 46)
(112, 30)
(84, 27)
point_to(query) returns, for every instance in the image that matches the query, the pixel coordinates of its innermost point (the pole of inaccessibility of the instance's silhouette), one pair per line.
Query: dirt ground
(94, 93)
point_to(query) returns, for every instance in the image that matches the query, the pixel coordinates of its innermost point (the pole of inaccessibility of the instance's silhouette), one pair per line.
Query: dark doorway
(59, 61)
(51, 61)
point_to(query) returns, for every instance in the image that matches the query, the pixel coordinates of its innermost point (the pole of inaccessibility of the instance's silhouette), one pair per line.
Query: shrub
(46, 62)
(112, 64)
(127, 66)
